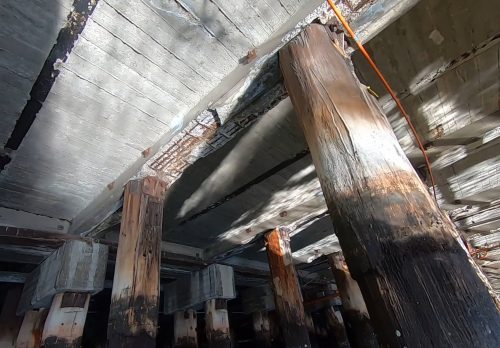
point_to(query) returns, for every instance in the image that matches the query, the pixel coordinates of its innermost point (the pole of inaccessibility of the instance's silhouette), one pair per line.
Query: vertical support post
(286, 289)
(262, 328)
(335, 324)
(311, 329)
(185, 326)
(217, 324)
(9, 322)
(355, 313)
(135, 296)
(66, 319)
(30, 334)
(416, 280)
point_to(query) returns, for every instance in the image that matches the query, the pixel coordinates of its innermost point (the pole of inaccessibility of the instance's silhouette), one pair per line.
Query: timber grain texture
(286, 288)
(133, 314)
(355, 313)
(418, 285)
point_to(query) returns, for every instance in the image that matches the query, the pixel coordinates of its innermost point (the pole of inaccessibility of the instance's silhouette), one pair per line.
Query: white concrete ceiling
(141, 71)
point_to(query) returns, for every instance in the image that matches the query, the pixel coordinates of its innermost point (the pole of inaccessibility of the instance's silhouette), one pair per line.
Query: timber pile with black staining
(416, 279)
(136, 287)
(355, 313)
(58, 342)
(217, 324)
(185, 342)
(337, 328)
(286, 288)
(185, 329)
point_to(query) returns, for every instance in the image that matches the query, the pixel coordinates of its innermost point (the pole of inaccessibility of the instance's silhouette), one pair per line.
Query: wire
(389, 90)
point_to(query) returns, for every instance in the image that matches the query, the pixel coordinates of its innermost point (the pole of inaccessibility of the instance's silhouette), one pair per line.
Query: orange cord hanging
(388, 88)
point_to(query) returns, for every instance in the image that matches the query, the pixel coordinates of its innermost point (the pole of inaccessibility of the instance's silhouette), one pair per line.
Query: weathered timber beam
(378, 15)
(76, 266)
(320, 302)
(214, 281)
(479, 218)
(354, 311)
(32, 247)
(395, 239)
(12, 277)
(450, 65)
(46, 242)
(23, 255)
(311, 208)
(491, 240)
(30, 237)
(22, 219)
(243, 267)
(286, 288)
(133, 314)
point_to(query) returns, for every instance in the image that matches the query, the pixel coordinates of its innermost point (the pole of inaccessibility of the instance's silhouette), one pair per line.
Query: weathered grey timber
(21, 219)
(135, 298)
(65, 321)
(13, 277)
(286, 288)
(77, 266)
(354, 311)
(214, 281)
(416, 279)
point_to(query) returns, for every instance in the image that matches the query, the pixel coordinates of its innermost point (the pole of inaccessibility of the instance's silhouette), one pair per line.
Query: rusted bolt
(111, 185)
(283, 213)
(146, 152)
(248, 230)
(251, 55)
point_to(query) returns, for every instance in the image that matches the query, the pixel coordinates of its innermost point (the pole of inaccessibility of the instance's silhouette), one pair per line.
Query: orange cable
(388, 88)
